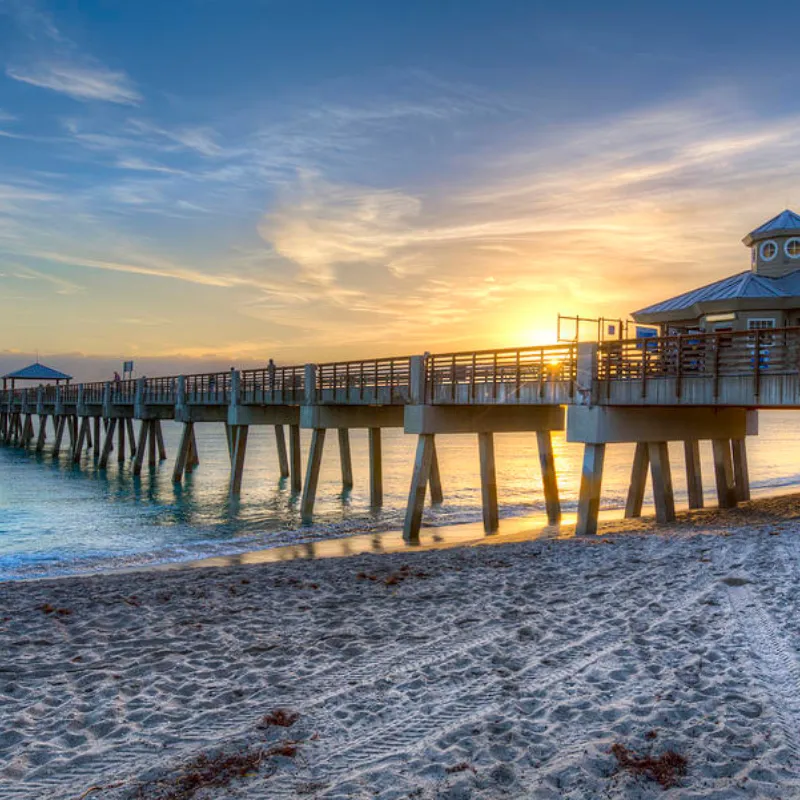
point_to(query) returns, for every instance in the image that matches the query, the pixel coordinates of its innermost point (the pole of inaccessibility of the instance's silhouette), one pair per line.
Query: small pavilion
(765, 296)
(36, 372)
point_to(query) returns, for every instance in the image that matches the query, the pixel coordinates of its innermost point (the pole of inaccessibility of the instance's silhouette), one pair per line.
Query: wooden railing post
(138, 399)
(645, 351)
(310, 381)
(757, 354)
(416, 380)
(180, 394)
(586, 372)
(236, 384)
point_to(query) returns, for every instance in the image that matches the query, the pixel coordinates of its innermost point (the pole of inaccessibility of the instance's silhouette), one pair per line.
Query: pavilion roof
(38, 372)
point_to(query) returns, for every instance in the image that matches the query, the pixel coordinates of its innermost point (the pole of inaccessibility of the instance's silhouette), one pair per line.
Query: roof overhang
(697, 310)
(754, 237)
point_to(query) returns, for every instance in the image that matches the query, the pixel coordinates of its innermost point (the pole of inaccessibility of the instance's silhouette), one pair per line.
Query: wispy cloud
(62, 285)
(321, 224)
(140, 165)
(58, 64)
(81, 82)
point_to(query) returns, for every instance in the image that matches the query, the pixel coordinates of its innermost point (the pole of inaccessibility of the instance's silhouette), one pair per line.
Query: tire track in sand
(475, 700)
(773, 660)
(207, 729)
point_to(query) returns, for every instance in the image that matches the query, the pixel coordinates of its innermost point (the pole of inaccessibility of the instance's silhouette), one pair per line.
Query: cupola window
(792, 248)
(768, 250)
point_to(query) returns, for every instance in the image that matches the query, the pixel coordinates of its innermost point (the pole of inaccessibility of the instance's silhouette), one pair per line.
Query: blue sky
(230, 181)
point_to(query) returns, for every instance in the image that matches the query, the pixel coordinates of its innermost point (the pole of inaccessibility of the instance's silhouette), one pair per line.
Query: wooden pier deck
(648, 391)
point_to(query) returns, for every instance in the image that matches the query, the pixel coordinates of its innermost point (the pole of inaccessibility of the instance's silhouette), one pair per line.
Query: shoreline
(455, 672)
(530, 527)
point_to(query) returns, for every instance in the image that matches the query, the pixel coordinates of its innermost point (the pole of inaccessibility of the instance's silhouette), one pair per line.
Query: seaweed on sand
(666, 769)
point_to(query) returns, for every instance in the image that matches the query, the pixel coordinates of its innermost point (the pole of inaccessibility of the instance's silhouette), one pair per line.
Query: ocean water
(57, 518)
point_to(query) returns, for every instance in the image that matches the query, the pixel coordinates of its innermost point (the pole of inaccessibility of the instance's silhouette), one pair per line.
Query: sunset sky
(233, 181)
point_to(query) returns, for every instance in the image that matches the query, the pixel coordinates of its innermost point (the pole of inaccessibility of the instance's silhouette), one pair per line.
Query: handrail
(272, 384)
(384, 380)
(712, 355)
(509, 369)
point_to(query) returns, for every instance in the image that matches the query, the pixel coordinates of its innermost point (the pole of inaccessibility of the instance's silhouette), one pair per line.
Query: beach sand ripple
(485, 672)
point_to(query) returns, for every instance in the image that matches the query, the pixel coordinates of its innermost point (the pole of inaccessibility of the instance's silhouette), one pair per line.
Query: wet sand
(483, 672)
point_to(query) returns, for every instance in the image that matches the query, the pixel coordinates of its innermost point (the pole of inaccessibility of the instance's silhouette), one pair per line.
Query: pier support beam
(741, 475)
(375, 468)
(283, 458)
(42, 433)
(312, 475)
(694, 474)
(641, 465)
(229, 439)
(295, 459)
(239, 439)
(193, 457)
(121, 441)
(661, 474)
(98, 446)
(483, 420)
(141, 445)
(435, 478)
(419, 482)
(80, 440)
(591, 484)
(544, 442)
(152, 437)
(600, 425)
(345, 460)
(723, 473)
(108, 444)
(184, 448)
(131, 435)
(491, 519)
(162, 451)
(60, 423)
(27, 430)
(72, 431)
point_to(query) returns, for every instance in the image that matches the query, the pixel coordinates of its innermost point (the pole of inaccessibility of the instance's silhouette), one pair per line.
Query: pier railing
(69, 394)
(745, 368)
(161, 391)
(272, 385)
(727, 367)
(208, 388)
(529, 375)
(123, 392)
(379, 381)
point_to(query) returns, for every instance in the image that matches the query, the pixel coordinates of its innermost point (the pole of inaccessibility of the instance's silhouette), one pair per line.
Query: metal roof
(745, 284)
(785, 222)
(38, 372)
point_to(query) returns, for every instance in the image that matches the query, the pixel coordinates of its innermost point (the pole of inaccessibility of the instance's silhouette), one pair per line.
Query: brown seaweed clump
(666, 769)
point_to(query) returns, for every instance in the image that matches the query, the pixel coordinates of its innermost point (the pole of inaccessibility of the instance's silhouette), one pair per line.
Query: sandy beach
(486, 672)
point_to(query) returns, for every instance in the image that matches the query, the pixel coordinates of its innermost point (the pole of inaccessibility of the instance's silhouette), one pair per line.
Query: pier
(647, 392)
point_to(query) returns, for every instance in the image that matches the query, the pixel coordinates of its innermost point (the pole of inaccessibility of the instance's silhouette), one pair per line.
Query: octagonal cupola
(775, 245)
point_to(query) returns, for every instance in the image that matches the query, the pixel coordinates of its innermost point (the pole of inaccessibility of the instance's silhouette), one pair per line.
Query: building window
(768, 250)
(792, 248)
(765, 341)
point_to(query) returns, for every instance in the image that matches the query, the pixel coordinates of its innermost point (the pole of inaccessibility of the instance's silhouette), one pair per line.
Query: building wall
(779, 265)
(782, 317)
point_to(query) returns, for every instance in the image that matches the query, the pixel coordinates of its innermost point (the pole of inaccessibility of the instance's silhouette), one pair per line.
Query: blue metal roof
(745, 284)
(38, 372)
(785, 222)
